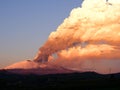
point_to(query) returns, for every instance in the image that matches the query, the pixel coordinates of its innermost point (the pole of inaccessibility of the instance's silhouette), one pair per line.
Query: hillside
(86, 81)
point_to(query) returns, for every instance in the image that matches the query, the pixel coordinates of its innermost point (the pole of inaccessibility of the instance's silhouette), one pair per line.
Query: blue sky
(26, 24)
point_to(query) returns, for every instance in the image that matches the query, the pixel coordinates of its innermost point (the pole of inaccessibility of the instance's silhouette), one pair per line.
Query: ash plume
(92, 31)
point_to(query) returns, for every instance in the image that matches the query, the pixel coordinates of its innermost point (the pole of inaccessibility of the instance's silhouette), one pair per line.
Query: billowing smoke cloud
(91, 32)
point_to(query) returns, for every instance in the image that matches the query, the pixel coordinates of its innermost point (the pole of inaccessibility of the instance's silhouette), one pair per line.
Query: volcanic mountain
(31, 67)
(87, 40)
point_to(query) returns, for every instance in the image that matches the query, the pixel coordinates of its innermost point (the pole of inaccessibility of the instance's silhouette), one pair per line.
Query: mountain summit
(31, 67)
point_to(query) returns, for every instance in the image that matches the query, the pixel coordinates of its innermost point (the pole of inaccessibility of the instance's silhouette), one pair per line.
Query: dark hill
(84, 81)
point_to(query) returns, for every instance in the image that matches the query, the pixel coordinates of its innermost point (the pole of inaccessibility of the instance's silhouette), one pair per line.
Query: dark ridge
(84, 81)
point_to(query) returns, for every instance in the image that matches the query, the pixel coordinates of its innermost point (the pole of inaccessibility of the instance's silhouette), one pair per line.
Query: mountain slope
(31, 67)
(84, 81)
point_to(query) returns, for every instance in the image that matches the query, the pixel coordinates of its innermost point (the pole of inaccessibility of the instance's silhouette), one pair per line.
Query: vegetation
(84, 81)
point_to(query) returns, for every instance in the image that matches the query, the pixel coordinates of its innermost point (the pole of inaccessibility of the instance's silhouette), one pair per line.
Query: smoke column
(92, 31)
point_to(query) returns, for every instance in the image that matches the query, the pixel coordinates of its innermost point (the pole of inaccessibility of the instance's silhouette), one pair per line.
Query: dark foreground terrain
(74, 81)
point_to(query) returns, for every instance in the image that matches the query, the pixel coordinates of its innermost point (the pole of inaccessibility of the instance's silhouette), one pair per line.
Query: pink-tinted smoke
(91, 32)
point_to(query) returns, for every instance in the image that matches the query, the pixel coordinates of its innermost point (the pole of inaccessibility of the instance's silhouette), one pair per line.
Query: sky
(26, 24)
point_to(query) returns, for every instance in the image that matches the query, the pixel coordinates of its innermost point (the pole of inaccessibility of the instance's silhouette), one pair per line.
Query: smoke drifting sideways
(90, 33)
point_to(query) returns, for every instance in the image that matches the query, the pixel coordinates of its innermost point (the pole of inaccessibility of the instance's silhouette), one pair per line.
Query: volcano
(30, 67)
(87, 40)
